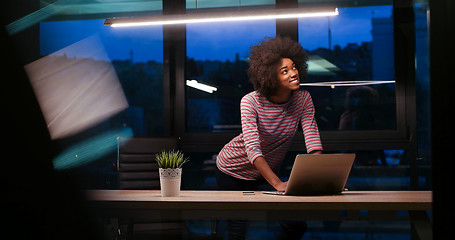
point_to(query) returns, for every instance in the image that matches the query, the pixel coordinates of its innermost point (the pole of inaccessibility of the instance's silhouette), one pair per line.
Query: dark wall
(442, 52)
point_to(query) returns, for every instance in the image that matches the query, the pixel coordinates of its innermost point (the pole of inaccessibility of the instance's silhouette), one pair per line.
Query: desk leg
(421, 225)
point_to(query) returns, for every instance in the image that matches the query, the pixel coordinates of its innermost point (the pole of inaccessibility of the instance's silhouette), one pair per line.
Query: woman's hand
(281, 186)
(269, 175)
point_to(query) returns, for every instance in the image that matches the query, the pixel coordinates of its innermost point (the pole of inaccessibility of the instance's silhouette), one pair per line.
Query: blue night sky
(210, 41)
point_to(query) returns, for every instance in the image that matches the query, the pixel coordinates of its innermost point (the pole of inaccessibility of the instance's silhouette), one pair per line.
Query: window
(356, 46)
(217, 56)
(360, 83)
(351, 68)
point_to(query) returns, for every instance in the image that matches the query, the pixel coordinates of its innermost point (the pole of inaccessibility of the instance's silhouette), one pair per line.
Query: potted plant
(170, 169)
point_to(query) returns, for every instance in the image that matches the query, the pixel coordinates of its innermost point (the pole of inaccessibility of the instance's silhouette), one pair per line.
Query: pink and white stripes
(267, 130)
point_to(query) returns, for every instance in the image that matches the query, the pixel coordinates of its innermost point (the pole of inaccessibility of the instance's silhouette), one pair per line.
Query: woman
(270, 117)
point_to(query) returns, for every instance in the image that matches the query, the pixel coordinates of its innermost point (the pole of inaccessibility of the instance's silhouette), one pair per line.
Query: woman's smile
(288, 75)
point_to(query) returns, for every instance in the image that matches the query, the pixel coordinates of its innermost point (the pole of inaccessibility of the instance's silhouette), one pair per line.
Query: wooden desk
(381, 205)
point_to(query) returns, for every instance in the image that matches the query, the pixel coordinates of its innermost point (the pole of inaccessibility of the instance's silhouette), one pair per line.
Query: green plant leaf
(171, 159)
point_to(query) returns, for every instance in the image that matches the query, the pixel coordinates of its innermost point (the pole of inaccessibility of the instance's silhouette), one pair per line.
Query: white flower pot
(170, 179)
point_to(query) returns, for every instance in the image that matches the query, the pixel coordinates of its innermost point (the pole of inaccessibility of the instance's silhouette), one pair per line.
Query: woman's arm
(249, 120)
(310, 127)
(316, 152)
(268, 174)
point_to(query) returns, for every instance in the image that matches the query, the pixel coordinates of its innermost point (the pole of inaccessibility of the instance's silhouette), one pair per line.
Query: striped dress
(267, 131)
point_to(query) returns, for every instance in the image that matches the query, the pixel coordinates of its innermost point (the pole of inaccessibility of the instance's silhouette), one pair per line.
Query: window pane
(137, 57)
(217, 56)
(351, 68)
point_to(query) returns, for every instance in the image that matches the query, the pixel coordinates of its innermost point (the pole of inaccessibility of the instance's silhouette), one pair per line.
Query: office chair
(138, 170)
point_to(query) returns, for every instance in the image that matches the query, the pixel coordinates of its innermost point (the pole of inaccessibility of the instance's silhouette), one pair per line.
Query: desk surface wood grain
(235, 200)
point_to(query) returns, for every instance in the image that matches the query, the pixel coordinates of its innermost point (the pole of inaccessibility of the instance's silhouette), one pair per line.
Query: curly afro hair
(265, 59)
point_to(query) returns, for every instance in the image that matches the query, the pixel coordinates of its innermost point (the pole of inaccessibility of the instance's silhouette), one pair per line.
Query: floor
(351, 230)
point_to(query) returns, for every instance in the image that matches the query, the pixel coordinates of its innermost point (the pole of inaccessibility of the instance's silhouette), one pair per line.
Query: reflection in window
(355, 107)
(137, 57)
(217, 56)
(352, 59)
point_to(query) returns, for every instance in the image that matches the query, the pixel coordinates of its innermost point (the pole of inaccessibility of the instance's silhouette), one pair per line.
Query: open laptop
(318, 174)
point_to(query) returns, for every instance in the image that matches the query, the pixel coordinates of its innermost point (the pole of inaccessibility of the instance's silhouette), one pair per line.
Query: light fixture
(201, 17)
(346, 83)
(200, 86)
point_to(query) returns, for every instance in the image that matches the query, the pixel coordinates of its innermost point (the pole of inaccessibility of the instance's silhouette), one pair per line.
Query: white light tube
(345, 83)
(200, 86)
(221, 17)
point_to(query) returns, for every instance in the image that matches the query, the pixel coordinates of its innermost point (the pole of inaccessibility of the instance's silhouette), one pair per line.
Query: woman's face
(288, 75)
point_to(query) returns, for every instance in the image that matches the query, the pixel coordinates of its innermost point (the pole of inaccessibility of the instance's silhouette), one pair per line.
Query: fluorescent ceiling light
(203, 17)
(346, 83)
(200, 86)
